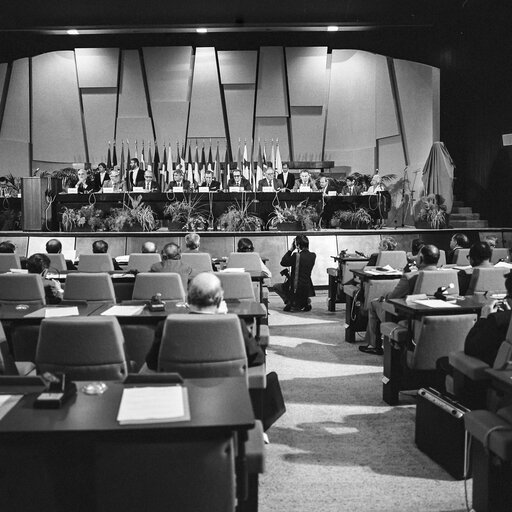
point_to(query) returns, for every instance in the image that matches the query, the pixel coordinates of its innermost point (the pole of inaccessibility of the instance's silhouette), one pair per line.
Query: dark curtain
(438, 175)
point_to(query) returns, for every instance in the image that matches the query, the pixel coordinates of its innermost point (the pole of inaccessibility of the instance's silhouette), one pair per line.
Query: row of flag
(195, 166)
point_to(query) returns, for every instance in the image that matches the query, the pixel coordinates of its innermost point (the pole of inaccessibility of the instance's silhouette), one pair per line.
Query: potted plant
(68, 176)
(294, 217)
(135, 216)
(238, 218)
(85, 218)
(185, 215)
(432, 213)
(351, 219)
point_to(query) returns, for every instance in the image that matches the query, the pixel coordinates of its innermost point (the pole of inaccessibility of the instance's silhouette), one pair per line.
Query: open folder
(153, 404)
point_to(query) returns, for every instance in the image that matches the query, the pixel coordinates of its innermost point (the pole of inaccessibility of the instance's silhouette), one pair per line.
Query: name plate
(204, 189)
(177, 189)
(235, 189)
(73, 190)
(304, 188)
(331, 193)
(267, 189)
(138, 189)
(108, 190)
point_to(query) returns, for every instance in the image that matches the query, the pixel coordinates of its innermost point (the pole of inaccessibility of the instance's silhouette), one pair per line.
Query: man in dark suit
(171, 262)
(428, 258)
(479, 257)
(239, 181)
(54, 246)
(325, 185)
(149, 183)
(134, 174)
(209, 182)
(458, 241)
(101, 247)
(287, 177)
(100, 177)
(350, 189)
(178, 181)
(300, 286)
(270, 181)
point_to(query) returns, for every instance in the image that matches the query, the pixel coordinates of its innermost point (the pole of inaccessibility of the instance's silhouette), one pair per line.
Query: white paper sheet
(503, 264)
(61, 311)
(153, 405)
(123, 311)
(233, 269)
(437, 303)
(7, 402)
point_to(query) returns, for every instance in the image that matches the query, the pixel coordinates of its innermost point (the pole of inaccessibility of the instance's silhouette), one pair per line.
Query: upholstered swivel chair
(92, 287)
(26, 288)
(442, 258)
(460, 257)
(8, 261)
(500, 253)
(249, 261)
(95, 263)
(487, 280)
(236, 285)
(201, 346)
(168, 284)
(57, 262)
(198, 261)
(85, 348)
(142, 261)
(429, 281)
(395, 259)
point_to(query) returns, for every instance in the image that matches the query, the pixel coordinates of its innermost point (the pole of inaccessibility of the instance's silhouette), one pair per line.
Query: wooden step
(458, 203)
(469, 223)
(465, 216)
(462, 209)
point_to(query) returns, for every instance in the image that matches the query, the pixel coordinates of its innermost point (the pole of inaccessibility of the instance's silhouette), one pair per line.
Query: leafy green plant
(73, 218)
(187, 211)
(306, 214)
(134, 213)
(68, 175)
(432, 211)
(358, 218)
(238, 218)
(13, 185)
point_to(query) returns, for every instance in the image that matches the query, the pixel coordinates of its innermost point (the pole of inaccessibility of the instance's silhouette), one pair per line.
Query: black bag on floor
(273, 401)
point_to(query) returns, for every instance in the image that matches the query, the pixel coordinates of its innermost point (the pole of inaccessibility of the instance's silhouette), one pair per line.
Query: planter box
(175, 226)
(289, 226)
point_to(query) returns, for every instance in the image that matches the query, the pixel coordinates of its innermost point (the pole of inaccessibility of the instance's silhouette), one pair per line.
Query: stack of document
(123, 310)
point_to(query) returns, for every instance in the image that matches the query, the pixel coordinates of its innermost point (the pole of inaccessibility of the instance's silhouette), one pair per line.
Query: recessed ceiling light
(72, 32)
(201, 30)
(332, 28)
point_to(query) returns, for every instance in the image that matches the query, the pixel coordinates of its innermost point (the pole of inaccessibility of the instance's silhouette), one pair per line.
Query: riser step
(469, 223)
(465, 216)
(462, 209)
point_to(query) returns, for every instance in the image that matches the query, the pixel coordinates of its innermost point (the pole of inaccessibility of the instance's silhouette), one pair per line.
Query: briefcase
(440, 430)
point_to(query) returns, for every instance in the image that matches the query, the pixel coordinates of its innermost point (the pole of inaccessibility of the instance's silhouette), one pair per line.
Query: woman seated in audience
(39, 264)
(412, 257)
(388, 243)
(245, 245)
(192, 242)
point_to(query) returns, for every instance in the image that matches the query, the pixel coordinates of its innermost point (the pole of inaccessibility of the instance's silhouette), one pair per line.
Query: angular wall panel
(351, 107)
(240, 113)
(15, 158)
(100, 120)
(57, 133)
(134, 129)
(169, 72)
(272, 100)
(360, 160)
(3, 74)
(132, 95)
(206, 118)
(97, 67)
(386, 122)
(15, 125)
(307, 132)
(391, 156)
(306, 68)
(170, 120)
(436, 92)
(237, 67)
(268, 128)
(415, 92)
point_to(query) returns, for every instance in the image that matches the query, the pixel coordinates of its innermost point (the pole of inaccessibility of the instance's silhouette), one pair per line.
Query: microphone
(441, 291)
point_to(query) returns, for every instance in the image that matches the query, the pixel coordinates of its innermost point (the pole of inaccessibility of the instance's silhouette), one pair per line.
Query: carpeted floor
(339, 447)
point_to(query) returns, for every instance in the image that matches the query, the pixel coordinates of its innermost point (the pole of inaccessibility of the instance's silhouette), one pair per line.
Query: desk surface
(364, 275)
(468, 304)
(214, 403)
(37, 312)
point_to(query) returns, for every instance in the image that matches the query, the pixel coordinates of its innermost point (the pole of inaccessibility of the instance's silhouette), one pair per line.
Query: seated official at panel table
(375, 186)
(115, 182)
(84, 185)
(178, 181)
(54, 246)
(209, 182)
(351, 189)
(287, 177)
(305, 183)
(326, 185)
(240, 181)
(270, 181)
(149, 184)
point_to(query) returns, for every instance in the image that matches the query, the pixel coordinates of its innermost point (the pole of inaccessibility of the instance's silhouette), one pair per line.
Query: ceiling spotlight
(201, 30)
(72, 32)
(332, 28)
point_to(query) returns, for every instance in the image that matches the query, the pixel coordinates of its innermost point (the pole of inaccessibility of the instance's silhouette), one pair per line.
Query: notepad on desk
(7, 402)
(233, 269)
(123, 310)
(436, 303)
(160, 404)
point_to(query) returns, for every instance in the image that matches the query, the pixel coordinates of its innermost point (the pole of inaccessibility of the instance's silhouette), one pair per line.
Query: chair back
(429, 281)
(95, 263)
(8, 261)
(460, 257)
(249, 261)
(395, 259)
(197, 261)
(169, 284)
(92, 287)
(26, 288)
(201, 346)
(347, 266)
(236, 285)
(442, 258)
(508, 337)
(375, 288)
(503, 359)
(7, 366)
(84, 348)
(57, 262)
(500, 253)
(437, 336)
(142, 261)
(487, 280)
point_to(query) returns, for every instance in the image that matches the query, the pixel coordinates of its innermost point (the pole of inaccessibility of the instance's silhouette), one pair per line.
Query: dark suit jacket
(330, 187)
(85, 190)
(244, 183)
(154, 185)
(139, 177)
(96, 183)
(214, 185)
(185, 184)
(176, 266)
(485, 337)
(289, 182)
(355, 192)
(277, 184)
(305, 287)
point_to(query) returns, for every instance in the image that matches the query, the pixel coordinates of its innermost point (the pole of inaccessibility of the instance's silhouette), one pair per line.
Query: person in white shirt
(305, 181)
(286, 177)
(375, 186)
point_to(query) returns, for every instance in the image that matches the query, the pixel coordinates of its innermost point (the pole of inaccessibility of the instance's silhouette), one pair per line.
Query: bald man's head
(171, 252)
(148, 247)
(205, 291)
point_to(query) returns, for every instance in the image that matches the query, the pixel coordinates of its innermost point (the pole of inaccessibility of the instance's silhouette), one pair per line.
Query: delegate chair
(8, 261)
(250, 262)
(7, 364)
(442, 258)
(429, 281)
(25, 288)
(148, 284)
(57, 262)
(395, 259)
(142, 261)
(95, 263)
(500, 254)
(198, 261)
(85, 348)
(92, 287)
(236, 285)
(487, 280)
(460, 257)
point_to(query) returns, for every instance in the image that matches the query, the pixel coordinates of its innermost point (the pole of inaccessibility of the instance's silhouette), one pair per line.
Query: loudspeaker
(440, 430)
(37, 203)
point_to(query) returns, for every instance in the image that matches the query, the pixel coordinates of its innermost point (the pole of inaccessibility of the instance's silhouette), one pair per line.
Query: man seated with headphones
(171, 262)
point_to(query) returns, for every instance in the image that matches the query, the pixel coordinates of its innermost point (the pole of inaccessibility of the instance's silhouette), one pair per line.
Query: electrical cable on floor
(467, 455)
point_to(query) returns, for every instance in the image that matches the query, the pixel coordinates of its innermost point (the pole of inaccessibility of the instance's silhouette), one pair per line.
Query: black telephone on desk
(156, 303)
(59, 389)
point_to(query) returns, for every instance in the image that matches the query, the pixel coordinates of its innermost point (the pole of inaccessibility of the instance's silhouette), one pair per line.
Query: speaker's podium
(37, 203)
